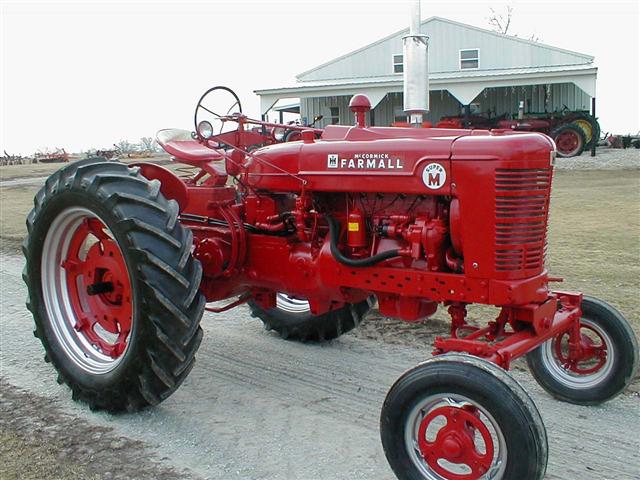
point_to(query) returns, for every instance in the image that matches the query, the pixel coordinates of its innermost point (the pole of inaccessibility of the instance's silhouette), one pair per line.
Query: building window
(398, 65)
(469, 59)
(334, 115)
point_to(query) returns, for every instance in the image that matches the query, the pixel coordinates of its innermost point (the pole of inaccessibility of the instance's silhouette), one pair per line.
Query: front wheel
(113, 288)
(599, 368)
(457, 417)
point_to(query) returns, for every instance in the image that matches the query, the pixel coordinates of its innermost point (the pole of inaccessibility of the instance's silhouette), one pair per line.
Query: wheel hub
(567, 142)
(451, 447)
(456, 442)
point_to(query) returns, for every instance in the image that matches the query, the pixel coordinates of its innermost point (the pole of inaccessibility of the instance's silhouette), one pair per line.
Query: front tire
(292, 319)
(459, 417)
(112, 286)
(570, 140)
(602, 370)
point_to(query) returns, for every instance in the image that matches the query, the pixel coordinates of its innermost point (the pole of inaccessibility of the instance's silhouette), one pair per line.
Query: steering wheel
(216, 104)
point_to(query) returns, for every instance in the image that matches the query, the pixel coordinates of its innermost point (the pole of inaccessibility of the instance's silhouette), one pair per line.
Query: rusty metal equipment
(8, 159)
(59, 155)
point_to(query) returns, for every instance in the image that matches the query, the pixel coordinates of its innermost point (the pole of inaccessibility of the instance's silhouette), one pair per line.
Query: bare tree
(148, 144)
(500, 22)
(124, 146)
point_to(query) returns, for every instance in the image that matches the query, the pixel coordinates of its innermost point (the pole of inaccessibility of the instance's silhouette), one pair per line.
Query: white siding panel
(507, 99)
(446, 40)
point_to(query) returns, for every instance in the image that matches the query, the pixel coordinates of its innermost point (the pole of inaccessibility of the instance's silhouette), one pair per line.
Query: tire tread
(169, 311)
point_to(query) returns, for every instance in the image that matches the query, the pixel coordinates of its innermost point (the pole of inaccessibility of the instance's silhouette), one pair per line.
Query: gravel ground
(257, 407)
(605, 159)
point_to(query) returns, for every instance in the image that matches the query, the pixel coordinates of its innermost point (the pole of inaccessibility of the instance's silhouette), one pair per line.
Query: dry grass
(594, 239)
(15, 204)
(31, 459)
(10, 172)
(594, 236)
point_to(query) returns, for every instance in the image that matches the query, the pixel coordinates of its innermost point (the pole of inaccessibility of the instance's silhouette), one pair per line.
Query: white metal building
(488, 72)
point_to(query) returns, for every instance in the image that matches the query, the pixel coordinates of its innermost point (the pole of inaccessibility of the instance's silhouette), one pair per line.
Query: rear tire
(594, 379)
(147, 291)
(456, 411)
(590, 127)
(293, 320)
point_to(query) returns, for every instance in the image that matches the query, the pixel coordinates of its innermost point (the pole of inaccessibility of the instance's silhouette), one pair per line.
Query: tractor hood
(387, 159)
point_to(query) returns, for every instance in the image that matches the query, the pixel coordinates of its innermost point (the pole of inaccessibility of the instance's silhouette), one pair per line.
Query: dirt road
(257, 407)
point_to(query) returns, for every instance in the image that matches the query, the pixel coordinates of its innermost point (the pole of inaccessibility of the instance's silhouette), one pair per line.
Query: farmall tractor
(123, 260)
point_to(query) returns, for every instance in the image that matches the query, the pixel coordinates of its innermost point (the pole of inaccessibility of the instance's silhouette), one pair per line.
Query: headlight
(278, 134)
(205, 130)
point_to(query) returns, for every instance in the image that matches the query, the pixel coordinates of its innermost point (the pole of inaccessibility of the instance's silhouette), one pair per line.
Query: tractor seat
(180, 144)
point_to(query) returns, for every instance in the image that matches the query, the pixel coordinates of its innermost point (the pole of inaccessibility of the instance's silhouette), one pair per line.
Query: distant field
(10, 172)
(594, 239)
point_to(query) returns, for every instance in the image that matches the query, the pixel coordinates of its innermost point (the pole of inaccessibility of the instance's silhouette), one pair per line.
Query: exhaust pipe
(416, 70)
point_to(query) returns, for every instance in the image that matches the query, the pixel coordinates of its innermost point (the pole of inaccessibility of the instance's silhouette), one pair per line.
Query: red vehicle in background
(573, 132)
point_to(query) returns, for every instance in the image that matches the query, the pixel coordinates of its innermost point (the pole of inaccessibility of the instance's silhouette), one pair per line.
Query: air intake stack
(416, 70)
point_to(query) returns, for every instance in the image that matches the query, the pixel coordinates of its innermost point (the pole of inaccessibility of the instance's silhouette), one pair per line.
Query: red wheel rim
(580, 359)
(589, 357)
(456, 442)
(86, 290)
(568, 142)
(99, 288)
(450, 436)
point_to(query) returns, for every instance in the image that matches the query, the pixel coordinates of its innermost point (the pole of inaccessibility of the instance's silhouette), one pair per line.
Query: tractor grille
(521, 211)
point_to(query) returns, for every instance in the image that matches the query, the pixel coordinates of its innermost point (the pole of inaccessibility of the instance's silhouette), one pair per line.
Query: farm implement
(123, 260)
(8, 159)
(58, 155)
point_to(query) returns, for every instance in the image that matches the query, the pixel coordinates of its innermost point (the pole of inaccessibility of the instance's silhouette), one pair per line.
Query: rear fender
(170, 184)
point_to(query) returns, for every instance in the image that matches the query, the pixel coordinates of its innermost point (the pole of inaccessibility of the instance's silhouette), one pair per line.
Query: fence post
(593, 113)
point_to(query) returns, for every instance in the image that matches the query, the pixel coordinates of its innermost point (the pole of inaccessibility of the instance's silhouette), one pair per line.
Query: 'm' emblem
(434, 176)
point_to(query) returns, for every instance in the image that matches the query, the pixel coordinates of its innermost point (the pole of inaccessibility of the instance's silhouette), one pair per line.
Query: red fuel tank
(356, 229)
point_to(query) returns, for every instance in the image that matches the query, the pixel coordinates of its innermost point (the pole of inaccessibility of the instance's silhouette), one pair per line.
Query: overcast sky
(86, 74)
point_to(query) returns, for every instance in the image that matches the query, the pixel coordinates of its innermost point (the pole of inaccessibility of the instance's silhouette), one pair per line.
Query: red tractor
(122, 261)
(572, 132)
